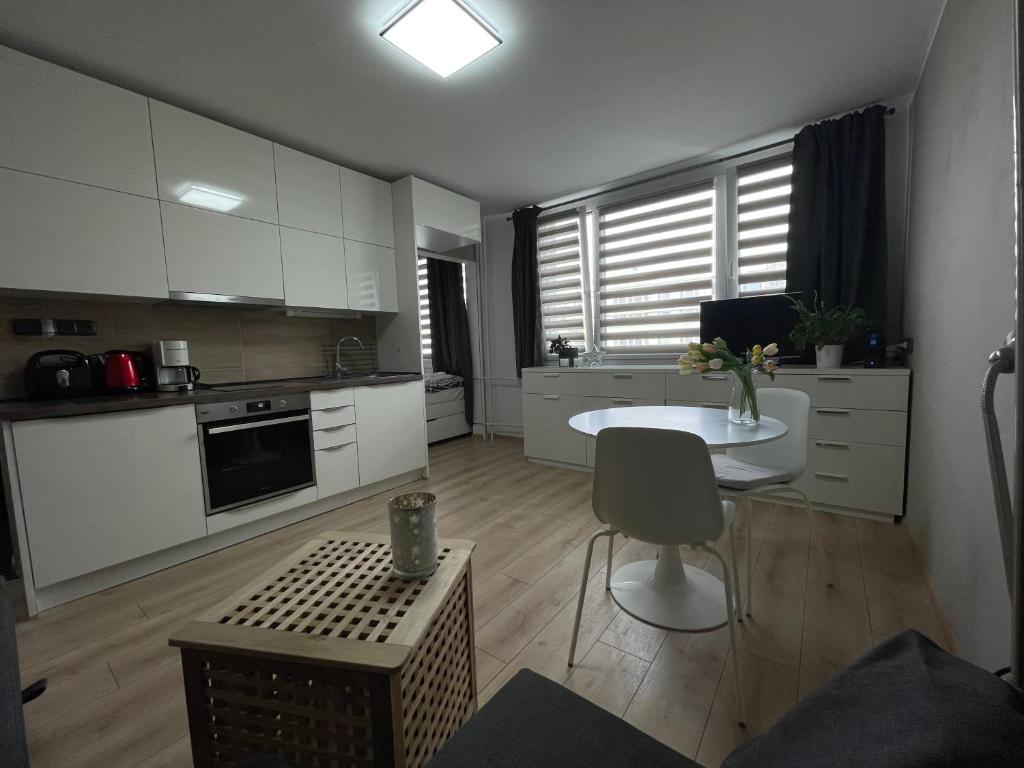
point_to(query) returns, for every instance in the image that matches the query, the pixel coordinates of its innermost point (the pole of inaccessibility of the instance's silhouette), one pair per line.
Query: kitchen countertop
(23, 410)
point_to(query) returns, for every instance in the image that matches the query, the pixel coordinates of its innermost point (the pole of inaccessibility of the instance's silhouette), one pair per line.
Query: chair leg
(740, 706)
(750, 553)
(738, 607)
(608, 568)
(815, 535)
(583, 591)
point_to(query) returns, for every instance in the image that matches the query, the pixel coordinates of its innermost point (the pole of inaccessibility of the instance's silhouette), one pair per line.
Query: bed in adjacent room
(446, 407)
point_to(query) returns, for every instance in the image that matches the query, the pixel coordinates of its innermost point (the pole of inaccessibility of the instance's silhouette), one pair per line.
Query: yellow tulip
(757, 360)
(757, 350)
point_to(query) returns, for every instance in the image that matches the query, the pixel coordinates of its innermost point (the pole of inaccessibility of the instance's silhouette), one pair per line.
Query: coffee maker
(173, 373)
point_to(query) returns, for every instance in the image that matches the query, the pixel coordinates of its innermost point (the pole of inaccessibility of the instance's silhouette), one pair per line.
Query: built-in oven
(254, 449)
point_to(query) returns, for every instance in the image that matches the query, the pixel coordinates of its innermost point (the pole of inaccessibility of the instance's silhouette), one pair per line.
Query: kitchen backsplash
(225, 343)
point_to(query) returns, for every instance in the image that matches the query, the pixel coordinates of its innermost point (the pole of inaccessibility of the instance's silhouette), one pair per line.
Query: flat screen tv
(753, 320)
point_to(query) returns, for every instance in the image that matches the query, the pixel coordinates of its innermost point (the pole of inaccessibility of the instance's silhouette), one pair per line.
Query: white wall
(959, 305)
(506, 392)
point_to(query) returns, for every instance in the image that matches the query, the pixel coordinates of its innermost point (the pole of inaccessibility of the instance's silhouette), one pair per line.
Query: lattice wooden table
(329, 660)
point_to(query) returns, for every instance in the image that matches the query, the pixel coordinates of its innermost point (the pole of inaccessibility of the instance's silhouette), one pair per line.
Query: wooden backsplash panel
(225, 343)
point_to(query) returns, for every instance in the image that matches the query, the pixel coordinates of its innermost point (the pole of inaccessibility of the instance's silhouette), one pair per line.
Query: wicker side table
(329, 660)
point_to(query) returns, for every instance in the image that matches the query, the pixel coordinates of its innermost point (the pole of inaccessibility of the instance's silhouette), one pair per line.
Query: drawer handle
(831, 476)
(832, 411)
(333, 429)
(723, 406)
(714, 377)
(551, 375)
(622, 401)
(333, 408)
(552, 397)
(336, 447)
(830, 444)
(835, 378)
(622, 375)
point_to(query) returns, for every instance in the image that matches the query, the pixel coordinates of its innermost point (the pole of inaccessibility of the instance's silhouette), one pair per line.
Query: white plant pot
(830, 356)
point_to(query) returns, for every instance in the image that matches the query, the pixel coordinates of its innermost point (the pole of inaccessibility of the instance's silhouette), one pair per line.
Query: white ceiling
(580, 92)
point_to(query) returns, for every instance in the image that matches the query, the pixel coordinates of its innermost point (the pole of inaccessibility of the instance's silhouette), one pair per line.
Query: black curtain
(526, 291)
(450, 349)
(837, 228)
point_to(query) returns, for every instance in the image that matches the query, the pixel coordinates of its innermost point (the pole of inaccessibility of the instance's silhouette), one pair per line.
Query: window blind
(560, 272)
(421, 277)
(656, 263)
(762, 214)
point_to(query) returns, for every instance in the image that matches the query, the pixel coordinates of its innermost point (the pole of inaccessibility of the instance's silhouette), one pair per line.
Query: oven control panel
(240, 409)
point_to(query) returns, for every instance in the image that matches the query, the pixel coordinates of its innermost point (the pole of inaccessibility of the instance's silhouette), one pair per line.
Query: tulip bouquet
(716, 356)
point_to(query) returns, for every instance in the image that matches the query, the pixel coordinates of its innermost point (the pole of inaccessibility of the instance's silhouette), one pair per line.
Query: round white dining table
(664, 592)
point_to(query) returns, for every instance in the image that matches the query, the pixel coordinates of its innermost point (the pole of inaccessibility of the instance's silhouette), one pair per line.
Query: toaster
(60, 373)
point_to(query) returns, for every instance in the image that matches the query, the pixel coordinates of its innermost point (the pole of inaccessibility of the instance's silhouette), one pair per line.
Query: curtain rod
(698, 166)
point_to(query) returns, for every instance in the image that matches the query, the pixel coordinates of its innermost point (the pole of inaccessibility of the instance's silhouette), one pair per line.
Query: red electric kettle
(125, 371)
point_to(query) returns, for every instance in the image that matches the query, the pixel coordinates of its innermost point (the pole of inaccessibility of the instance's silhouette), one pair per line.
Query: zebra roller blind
(762, 213)
(560, 271)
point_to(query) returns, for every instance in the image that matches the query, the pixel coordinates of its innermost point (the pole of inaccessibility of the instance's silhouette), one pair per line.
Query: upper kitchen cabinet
(308, 192)
(75, 238)
(210, 253)
(440, 209)
(59, 123)
(209, 165)
(366, 209)
(372, 282)
(314, 270)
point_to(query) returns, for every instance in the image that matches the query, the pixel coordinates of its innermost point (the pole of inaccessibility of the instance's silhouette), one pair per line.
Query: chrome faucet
(339, 369)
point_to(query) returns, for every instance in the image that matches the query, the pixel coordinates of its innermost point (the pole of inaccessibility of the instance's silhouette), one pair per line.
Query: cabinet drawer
(882, 462)
(597, 403)
(858, 426)
(337, 469)
(328, 437)
(336, 416)
(330, 398)
(700, 387)
(884, 497)
(838, 390)
(630, 385)
(546, 430)
(553, 382)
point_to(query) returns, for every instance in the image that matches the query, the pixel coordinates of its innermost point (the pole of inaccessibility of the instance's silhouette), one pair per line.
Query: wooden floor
(115, 696)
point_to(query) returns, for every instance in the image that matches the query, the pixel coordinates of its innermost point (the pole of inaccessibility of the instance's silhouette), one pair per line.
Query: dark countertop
(23, 410)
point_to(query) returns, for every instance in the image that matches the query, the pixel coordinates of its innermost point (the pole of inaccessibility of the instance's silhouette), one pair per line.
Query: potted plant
(565, 351)
(717, 357)
(827, 329)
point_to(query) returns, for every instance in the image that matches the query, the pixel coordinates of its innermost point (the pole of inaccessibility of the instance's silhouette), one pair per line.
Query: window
(421, 279)
(560, 271)
(762, 212)
(627, 270)
(656, 263)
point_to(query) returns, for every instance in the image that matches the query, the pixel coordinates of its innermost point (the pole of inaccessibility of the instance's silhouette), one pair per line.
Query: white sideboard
(857, 433)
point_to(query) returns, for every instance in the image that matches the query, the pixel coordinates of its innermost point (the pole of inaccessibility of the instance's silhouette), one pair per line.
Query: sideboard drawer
(553, 382)
(856, 475)
(840, 390)
(547, 434)
(858, 426)
(700, 387)
(838, 490)
(645, 386)
(882, 462)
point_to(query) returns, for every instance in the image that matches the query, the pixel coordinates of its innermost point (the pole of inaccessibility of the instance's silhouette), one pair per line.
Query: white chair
(658, 486)
(770, 469)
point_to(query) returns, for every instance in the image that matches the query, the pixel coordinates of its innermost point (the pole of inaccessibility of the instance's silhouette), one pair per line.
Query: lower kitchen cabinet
(103, 489)
(391, 425)
(337, 469)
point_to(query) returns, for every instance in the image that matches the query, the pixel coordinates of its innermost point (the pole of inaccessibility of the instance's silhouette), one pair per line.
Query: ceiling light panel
(443, 35)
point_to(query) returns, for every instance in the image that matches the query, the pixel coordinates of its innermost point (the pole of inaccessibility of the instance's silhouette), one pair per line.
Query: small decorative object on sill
(413, 519)
(566, 352)
(716, 357)
(593, 358)
(827, 330)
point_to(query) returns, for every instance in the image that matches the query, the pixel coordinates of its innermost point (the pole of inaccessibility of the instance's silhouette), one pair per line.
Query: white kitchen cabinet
(438, 208)
(391, 429)
(314, 270)
(372, 279)
(366, 209)
(546, 431)
(103, 489)
(337, 469)
(227, 255)
(209, 165)
(59, 123)
(308, 192)
(62, 236)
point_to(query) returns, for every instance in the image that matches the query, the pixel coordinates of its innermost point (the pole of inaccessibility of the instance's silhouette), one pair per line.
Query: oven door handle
(256, 424)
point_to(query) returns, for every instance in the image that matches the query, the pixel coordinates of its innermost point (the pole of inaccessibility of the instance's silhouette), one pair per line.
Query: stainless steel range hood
(440, 242)
(220, 299)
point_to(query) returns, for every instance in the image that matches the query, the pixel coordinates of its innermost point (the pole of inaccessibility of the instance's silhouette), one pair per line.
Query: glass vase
(743, 404)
